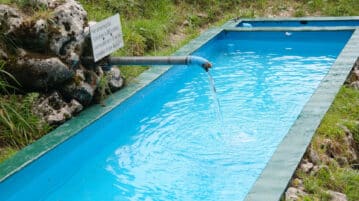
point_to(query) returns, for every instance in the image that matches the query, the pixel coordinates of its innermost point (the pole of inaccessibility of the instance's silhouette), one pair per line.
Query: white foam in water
(245, 24)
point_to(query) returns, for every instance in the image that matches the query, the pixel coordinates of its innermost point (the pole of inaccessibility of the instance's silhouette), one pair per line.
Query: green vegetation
(333, 176)
(103, 89)
(4, 85)
(343, 180)
(344, 111)
(18, 125)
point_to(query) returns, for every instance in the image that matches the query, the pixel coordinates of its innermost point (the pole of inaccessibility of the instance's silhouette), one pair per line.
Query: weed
(4, 77)
(6, 153)
(299, 12)
(19, 126)
(103, 89)
(344, 111)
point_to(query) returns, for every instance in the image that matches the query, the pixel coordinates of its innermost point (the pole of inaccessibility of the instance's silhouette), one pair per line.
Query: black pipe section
(160, 60)
(107, 62)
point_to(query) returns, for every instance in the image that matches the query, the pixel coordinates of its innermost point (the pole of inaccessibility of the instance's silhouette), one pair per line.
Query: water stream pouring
(108, 62)
(154, 60)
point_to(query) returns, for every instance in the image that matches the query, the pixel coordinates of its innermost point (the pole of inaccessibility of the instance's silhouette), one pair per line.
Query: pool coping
(234, 22)
(271, 184)
(301, 132)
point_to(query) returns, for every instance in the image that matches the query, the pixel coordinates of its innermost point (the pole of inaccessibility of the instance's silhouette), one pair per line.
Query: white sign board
(106, 37)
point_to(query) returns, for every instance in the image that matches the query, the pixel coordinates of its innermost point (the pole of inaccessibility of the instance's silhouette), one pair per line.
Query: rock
(333, 150)
(336, 196)
(306, 167)
(322, 168)
(75, 107)
(315, 169)
(32, 35)
(293, 194)
(298, 183)
(69, 20)
(115, 80)
(355, 166)
(83, 88)
(45, 3)
(10, 18)
(54, 110)
(82, 92)
(3, 55)
(356, 73)
(40, 26)
(185, 23)
(313, 156)
(40, 74)
(50, 51)
(355, 84)
(342, 161)
(351, 146)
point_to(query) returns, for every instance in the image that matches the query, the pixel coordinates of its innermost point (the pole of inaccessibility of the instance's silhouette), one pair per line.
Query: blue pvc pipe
(196, 60)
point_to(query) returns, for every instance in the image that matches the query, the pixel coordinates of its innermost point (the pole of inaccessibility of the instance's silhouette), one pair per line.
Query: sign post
(106, 37)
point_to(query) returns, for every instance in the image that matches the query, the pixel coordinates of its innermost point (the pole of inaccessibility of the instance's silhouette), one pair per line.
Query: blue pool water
(164, 143)
(298, 23)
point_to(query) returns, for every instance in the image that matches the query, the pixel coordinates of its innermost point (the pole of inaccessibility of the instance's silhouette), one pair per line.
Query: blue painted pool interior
(298, 23)
(164, 142)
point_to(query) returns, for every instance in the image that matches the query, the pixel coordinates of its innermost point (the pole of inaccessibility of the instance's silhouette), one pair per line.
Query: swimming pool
(298, 23)
(163, 143)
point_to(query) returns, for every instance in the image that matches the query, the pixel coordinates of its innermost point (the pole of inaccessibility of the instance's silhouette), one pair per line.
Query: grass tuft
(18, 125)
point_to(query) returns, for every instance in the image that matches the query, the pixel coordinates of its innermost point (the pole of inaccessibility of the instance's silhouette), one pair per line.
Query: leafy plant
(103, 89)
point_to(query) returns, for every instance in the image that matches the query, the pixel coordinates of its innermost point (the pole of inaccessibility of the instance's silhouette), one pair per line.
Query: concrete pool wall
(272, 183)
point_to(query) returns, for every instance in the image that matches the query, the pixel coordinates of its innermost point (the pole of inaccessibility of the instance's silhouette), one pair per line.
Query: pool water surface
(164, 143)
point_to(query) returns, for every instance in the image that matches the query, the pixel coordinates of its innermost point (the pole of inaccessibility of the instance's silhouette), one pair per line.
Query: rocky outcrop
(10, 18)
(353, 78)
(114, 79)
(44, 50)
(54, 110)
(41, 74)
(293, 194)
(336, 196)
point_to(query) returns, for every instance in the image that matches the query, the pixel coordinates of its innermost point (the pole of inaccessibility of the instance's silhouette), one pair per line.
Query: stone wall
(43, 45)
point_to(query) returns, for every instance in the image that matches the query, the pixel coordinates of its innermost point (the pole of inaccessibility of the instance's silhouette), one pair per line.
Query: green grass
(334, 178)
(5, 1)
(6, 153)
(18, 125)
(343, 111)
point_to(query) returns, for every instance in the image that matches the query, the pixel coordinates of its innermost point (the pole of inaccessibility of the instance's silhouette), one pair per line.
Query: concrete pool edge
(272, 183)
(70, 128)
(233, 23)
